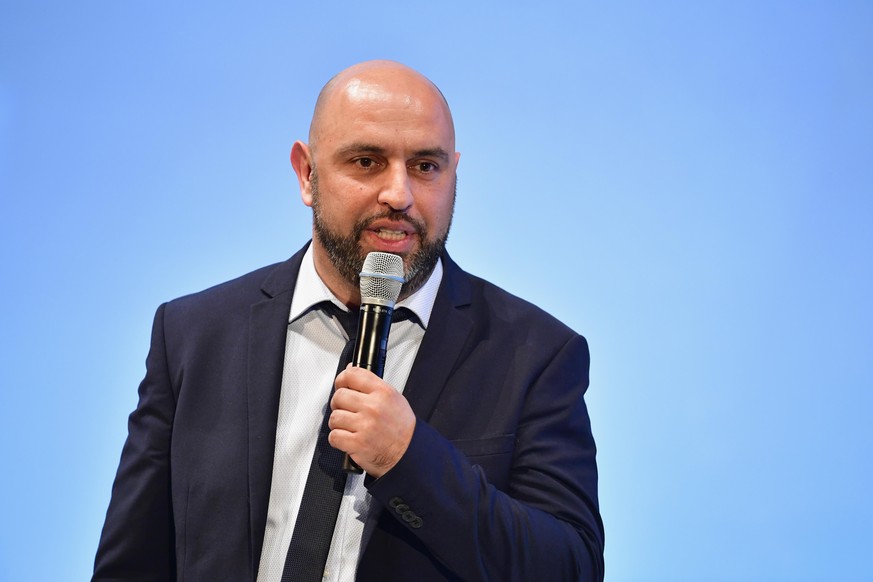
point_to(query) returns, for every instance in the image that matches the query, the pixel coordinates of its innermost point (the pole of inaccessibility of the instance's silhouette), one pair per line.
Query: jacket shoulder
(236, 295)
(243, 289)
(499, 308)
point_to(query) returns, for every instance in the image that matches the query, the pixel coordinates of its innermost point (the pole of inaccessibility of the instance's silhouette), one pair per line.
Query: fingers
(360, 380)
(370, 420)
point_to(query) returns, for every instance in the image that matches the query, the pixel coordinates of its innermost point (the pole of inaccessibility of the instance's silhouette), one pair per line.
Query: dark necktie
(313, 530)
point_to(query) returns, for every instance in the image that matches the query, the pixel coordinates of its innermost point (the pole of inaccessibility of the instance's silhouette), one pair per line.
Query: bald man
(476, 449)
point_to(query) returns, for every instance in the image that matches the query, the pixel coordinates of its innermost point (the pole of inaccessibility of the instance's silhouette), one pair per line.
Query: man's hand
(371, 421)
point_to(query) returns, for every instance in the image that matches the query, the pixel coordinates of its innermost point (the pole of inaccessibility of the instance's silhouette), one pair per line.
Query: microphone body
(371, 345)
(381, 279)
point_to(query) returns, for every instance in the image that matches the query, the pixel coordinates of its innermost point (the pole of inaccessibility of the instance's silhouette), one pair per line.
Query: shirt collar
(421, 302)
(310, 290)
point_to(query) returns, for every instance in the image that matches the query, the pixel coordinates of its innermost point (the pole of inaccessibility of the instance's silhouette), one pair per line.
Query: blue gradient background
(686, 183)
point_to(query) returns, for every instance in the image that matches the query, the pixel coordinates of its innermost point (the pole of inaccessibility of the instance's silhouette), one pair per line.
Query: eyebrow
(437, 152)
(366, 148)
(359, 148)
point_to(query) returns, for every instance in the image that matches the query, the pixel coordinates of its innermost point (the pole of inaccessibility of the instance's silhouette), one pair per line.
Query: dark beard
(347, 256)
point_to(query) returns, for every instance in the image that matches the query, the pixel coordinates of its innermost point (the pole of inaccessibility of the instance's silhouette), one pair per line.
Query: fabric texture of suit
(499, 481)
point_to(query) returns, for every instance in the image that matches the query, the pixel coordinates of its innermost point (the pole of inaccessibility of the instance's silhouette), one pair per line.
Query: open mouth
(392, 235)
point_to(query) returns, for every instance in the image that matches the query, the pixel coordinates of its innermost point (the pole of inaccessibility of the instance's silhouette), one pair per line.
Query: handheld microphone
(381, 280)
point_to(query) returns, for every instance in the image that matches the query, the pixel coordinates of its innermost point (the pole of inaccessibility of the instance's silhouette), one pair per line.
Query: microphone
(381, 280)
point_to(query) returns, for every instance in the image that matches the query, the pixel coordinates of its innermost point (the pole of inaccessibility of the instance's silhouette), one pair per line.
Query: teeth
(390, 234)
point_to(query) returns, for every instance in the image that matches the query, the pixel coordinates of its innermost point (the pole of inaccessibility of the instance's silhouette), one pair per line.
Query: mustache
(393, 216)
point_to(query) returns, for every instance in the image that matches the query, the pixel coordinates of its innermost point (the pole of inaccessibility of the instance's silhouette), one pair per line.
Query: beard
(347, 256)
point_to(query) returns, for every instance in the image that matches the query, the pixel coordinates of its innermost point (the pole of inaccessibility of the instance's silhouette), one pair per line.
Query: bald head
(380, 82)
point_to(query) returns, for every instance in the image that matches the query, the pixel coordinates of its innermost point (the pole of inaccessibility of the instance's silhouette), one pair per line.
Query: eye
(365, 162)
(426, 167)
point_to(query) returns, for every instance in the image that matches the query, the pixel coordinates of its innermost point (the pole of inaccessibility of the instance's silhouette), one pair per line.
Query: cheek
(439, 216)
(348, 193)
(338, 195)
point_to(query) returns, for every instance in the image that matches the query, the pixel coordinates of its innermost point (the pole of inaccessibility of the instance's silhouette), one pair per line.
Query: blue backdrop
(688, 184)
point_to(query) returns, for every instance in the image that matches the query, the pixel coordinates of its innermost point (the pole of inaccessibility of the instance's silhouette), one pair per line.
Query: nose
(396, 192)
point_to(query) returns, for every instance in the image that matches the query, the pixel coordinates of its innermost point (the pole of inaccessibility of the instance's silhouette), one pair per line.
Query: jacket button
(416, 522)
(395, 501)
(402, 508)
(408, 516)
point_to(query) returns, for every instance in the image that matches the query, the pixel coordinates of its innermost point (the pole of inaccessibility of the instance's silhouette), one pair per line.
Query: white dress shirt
(313, 346)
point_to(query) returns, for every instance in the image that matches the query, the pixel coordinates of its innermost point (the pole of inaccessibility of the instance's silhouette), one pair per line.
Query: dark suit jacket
(500, 475)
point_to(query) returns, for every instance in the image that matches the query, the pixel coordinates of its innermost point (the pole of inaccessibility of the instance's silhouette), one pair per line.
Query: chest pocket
(491, 454)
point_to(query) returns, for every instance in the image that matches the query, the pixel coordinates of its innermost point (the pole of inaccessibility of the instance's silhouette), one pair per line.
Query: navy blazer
(499, 481)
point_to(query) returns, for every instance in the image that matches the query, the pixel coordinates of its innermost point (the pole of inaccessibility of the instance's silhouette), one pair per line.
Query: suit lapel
(268, 326)
(447, 332)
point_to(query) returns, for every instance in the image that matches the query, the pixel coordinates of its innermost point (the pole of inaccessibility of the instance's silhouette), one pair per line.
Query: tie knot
(404, 314)
(347, 319)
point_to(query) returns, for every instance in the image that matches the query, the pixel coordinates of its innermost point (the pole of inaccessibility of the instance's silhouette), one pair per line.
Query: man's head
(379, 173)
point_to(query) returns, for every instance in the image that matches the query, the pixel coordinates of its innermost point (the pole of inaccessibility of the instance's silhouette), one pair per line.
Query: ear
(301, 161)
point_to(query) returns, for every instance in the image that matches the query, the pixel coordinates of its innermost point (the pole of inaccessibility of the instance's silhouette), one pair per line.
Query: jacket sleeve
(543, 523)
(137, 542)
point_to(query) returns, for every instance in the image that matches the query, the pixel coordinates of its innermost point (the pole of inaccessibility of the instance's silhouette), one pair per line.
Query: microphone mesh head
(381, 278)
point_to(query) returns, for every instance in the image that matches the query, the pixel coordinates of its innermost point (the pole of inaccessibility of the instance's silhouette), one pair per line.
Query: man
(477, 450)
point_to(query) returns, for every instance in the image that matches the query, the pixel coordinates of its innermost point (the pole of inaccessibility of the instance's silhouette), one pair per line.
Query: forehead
(399, 112)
